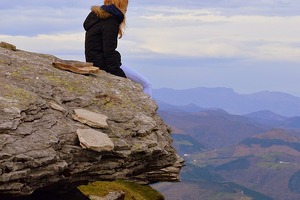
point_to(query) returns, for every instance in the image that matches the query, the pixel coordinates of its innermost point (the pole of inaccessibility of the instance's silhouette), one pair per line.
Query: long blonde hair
(122, 6)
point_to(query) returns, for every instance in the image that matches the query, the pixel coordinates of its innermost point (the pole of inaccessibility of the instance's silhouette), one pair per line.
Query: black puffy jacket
(101, 38)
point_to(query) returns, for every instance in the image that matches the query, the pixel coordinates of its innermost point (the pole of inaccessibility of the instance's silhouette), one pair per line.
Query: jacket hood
(102, 12)
(114, 11)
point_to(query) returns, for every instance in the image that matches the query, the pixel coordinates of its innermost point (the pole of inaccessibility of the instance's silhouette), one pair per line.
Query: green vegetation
(206, 178)
(270, 157)
(194, 172)
(270, 165)
(271, 161)
(251, 193)
(186, 144)
(15, 93)
(240, 163)
(183, 142)
(16, 96)
(69, 84)
(265, 143)
(133, 191)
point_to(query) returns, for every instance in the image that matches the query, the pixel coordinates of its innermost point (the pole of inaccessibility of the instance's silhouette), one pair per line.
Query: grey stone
(94, 140)
(39, 145)
(92, 119)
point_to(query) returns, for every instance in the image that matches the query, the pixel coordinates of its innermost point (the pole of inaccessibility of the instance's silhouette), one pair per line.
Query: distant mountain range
(227, 99)
(212, 128)
(267, 163)
(217, 128)
(253, 156)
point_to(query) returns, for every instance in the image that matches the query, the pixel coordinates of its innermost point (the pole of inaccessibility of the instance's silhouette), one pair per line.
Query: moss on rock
(133, 191)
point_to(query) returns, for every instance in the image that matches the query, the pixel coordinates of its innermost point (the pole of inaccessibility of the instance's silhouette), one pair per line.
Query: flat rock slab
(92, 119)
(94, 140)
(76, 66)
(55, 106)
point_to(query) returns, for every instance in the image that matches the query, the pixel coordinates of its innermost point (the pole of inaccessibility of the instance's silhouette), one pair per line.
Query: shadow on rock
(74, 194)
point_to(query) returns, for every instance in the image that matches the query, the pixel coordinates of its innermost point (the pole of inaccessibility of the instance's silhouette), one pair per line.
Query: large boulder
(49, 118)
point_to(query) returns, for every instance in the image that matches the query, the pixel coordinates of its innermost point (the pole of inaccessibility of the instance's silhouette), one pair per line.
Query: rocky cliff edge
(60, 129)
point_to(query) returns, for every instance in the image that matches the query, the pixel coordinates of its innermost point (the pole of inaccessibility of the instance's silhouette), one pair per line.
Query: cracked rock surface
(39, 145)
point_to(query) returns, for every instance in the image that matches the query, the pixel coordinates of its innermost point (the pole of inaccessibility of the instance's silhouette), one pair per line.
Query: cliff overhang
(44, 128)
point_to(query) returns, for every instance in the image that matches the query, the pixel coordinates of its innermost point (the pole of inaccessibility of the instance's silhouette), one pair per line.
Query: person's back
(101, 40)
(104, 26)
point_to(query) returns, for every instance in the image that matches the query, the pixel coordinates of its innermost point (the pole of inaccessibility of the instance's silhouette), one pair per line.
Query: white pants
(138, 78)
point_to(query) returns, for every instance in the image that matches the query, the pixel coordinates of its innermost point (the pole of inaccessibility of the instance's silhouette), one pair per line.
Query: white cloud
(66, 46)
(204, 33)
(41, 20)
(214, 43)
(171, 31)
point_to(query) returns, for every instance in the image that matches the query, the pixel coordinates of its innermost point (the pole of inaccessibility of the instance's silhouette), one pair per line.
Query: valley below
(228, 156)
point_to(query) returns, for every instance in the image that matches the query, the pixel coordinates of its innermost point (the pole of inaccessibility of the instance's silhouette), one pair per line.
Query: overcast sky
(249, 46)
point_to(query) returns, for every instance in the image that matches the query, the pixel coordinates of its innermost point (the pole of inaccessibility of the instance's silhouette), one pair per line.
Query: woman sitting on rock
(104, 26)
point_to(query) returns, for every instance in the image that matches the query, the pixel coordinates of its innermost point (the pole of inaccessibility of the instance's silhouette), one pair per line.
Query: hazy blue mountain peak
(227, 99)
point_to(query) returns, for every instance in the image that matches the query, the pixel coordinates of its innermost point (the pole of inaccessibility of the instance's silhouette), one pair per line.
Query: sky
(249, 46)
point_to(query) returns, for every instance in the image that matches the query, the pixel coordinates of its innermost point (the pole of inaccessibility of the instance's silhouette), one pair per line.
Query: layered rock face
(48, 117)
